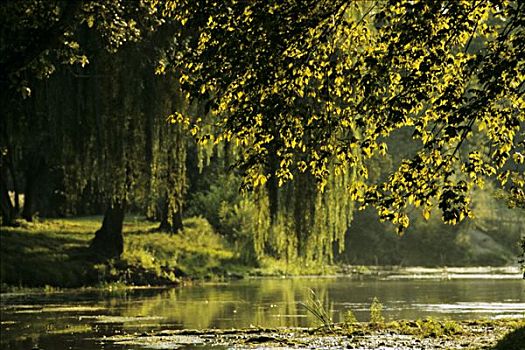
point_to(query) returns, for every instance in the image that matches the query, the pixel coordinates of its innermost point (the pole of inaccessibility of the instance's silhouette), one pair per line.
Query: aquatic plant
(376, 312)
(427, 328)
(349, 320)
(316, 307)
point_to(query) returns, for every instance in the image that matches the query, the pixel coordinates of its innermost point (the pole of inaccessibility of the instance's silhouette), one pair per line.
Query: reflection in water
(80, 320)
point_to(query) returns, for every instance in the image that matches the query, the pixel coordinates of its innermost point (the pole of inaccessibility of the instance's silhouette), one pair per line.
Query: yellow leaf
(426, 214)
(482, 125)
(90, 21)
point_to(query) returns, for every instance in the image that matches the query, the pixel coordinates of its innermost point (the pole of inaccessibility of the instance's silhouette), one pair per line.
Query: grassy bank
(54, 253)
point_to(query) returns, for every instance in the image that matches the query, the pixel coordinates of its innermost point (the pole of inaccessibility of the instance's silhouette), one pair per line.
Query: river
(82, 319)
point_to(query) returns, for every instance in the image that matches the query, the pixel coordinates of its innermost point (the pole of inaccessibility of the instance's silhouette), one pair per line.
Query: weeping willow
(311, 224)
(98, 133)
(166, 150)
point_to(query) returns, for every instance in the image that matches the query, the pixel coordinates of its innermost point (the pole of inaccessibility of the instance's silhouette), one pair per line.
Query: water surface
(82, 319)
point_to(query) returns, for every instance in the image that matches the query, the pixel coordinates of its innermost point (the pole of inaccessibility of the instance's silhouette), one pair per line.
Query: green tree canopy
(73, 78)
(326, 83)
(304, 92)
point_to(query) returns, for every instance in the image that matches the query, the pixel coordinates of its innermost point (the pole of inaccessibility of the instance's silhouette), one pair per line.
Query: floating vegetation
(401, 335)
(156, 342)
(122, 319)
(58, 309)
(72, 329)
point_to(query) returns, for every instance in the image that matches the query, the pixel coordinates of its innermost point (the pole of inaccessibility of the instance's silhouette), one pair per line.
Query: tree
(38, 38)
(322, 84)
(306, 91)
(166, 153)
(92, 51)
(33, 35)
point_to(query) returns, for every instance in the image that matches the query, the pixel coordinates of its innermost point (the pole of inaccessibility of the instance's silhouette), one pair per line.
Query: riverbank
(53, 253)
(400, 335)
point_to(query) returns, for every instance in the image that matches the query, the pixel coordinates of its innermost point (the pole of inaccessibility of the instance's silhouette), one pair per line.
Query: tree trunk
(8, 211)
(33, 174)
(171, 218)
(109, 242)
(11, 167)
(522, 259)
(29, 195)
(272, 185)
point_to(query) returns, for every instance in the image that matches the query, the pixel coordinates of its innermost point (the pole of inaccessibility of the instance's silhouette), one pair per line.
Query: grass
(316, 307)
(197, 252)
(376, 312)
(424, 328)
(53, 253)
(269, 266)
(46, 253)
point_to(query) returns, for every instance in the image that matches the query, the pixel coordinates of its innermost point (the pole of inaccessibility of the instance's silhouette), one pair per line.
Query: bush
(196, 251)
(223, 191)
(239, 226)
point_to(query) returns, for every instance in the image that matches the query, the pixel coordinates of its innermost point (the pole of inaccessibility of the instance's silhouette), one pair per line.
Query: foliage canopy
(325, 84)
(321, 86)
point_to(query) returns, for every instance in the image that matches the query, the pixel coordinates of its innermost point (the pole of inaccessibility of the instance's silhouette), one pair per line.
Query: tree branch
(45, 39)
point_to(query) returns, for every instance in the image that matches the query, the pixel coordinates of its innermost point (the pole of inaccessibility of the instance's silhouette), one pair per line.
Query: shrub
(376, 312)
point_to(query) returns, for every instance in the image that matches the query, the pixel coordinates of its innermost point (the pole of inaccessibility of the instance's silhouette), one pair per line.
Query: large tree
(308, 90)
(318, 84)
(76, 73)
